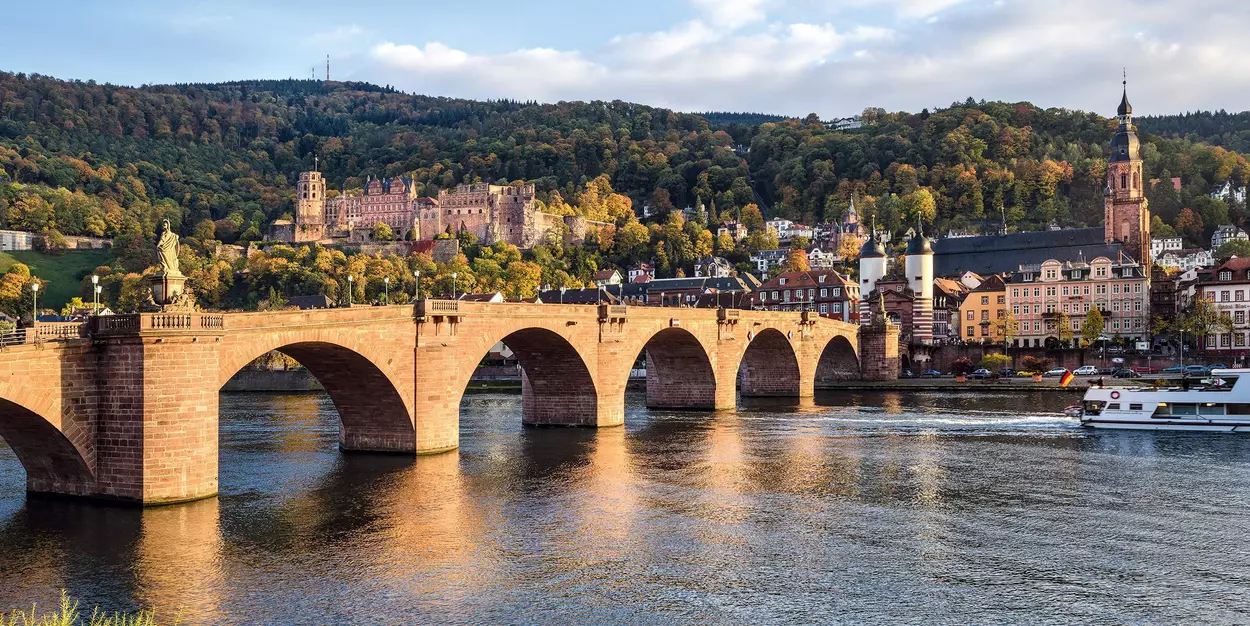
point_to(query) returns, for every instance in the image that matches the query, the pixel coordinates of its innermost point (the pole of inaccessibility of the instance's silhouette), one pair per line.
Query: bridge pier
(156, 426)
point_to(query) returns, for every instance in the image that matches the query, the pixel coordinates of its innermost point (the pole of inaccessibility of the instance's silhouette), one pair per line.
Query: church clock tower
(1127, 219)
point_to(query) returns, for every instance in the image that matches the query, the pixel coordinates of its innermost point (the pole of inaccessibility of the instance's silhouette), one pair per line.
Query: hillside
(99, 154)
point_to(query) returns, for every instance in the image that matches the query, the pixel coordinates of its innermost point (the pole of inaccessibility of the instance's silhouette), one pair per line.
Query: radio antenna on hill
(327, 68)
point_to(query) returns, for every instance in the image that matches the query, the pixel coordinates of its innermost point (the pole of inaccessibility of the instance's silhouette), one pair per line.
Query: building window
(811, 293)
(1226, 275)
(1225, 340)
(972, 315)
(1015, 310)
(1239, 295)
(824, 293)
(1115, 289)
(1224, 296)
(985, 315)
(1086, 290)
(1051, 291)
(837, 292)
(837, 307)
(1239, 340)
(824, 308)
(1015, 293)
(1239, 317)
(1065, 291)
(1002, 299)
(776, 296)
(985, 300)
(970, 332)
(1100, 271)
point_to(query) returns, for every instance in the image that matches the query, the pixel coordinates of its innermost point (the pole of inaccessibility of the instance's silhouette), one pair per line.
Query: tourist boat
(1218, 402)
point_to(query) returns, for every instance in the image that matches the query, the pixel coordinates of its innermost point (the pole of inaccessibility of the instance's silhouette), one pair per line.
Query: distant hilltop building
(491, 212)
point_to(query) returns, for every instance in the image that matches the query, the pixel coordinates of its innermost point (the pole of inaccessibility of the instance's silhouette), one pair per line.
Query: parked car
(1175, 369)
(980, 373)
(907, 374)
(1006, 372)
(1086, 370)
(1058, 371)
(1217, 366)
(1125, 372)
(931, 374)
(1197, 370)
(1106, 371)
(1146, 370)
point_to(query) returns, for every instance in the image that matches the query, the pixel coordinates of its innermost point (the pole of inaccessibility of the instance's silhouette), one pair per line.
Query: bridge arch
(838, 361)
(372, 413)
(52, 462)
(769, 366)
(557, 387)
(680, 374)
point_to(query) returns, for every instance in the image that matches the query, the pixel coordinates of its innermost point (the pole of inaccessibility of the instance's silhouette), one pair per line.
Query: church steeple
(1126, 218)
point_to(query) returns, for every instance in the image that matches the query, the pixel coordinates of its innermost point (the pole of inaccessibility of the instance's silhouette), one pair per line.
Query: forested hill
(81, 157)
(1219, 128)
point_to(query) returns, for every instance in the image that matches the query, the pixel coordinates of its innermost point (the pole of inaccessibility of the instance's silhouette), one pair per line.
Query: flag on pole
(1067, 378)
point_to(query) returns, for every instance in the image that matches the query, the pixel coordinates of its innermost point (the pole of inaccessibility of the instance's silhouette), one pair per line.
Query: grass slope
(63, 272)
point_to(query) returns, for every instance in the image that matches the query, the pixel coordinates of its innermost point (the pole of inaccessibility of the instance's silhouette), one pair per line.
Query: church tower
(310, 207)
(1126, 218)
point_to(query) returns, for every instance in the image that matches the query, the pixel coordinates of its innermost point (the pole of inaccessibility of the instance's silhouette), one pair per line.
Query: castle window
(1123, 181)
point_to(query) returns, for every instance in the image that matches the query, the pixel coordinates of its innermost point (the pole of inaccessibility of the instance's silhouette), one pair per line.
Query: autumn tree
(1092, 327)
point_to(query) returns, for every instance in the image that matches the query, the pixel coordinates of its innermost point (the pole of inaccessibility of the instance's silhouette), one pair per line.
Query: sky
(791, 57)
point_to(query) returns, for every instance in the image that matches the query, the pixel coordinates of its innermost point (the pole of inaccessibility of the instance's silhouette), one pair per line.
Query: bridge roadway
(129, 411)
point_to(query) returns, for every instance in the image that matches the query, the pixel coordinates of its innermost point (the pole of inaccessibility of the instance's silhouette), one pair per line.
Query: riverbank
(1021, 385)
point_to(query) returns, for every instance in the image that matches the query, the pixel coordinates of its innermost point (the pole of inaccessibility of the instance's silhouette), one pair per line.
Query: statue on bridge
(167, 249)
(169, 285)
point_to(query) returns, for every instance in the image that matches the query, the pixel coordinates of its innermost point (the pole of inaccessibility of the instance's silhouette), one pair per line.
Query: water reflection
(853, 507)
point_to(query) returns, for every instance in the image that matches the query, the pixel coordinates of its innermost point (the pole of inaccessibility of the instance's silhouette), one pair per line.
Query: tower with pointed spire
(873, 265)
(1126, 215)
(919, 266)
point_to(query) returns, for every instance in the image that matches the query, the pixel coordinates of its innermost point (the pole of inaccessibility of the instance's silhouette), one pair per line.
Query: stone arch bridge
(128, 411)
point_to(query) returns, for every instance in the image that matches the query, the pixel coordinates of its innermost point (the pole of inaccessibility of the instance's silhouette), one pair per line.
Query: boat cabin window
(1134, 407)
(1220, 383)
(1184, 409)
(1238, 409)
(1114, 406)
(1210, 409)
(1093, 407)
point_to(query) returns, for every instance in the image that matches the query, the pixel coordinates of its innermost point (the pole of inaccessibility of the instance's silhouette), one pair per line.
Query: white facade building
(1186, 259)
(1228, 192)
(1227, 233)
(16, 240)
(1159, 245)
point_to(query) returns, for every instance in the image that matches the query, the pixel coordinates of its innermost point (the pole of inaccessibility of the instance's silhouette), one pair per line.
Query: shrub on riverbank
(68, 615)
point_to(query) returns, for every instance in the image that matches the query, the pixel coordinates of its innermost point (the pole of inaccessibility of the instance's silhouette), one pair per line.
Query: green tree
(383, 232)
(1092, 327)
(1231, 248)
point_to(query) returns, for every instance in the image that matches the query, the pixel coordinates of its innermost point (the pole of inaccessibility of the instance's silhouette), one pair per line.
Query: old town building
(1043, 295)
(1227, 287)
(983, 310)
(826, 291)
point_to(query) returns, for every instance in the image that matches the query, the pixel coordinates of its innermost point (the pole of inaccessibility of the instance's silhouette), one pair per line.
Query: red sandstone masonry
(134, 416)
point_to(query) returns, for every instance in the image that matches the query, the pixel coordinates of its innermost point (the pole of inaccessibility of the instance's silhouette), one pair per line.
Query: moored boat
(1218, 402)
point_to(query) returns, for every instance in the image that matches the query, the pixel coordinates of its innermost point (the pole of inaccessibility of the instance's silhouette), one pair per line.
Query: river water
(853, 508)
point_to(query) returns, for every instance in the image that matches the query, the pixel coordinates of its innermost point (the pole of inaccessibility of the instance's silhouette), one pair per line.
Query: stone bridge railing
(121, 325)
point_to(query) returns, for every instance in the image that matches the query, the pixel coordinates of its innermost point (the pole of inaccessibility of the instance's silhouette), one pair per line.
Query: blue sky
(832, 57)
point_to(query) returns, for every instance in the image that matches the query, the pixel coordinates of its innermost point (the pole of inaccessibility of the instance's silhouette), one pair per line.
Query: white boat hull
(1213, 427)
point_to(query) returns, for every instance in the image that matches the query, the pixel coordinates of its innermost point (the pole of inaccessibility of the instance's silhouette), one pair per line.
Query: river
(854, 508)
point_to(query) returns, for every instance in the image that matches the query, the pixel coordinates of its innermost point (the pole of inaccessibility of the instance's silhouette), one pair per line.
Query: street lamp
(453, 285)
(95, 295)
(98, 289)
(562, 289)
(416, 274)
(386, 285)
(350, 282)
(34, 303)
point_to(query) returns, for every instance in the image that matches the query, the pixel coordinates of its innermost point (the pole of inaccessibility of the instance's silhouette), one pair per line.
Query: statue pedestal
(166, 286)
(169, 294)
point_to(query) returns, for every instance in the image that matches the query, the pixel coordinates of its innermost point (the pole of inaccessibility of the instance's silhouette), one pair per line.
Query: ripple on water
(852, 507)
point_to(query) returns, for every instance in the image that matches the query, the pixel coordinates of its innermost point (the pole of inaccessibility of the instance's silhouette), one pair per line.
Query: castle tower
(1126, 216)
(919, 266)
(310, 207)
(873, 264)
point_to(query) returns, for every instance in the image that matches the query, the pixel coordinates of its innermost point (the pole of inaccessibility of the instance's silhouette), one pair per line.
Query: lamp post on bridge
(95, 294)
(453, 285)
(386, 284)
(350, 282)
(562, 290)
(416, 275)
(34, 303)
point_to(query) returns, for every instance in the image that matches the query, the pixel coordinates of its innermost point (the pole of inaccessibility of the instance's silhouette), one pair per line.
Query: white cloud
(339, 35)
(738, 56)
(733, 13)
